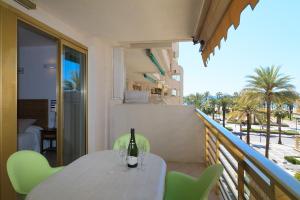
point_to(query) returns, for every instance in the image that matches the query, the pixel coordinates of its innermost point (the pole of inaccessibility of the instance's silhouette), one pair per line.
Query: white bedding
(30, 138)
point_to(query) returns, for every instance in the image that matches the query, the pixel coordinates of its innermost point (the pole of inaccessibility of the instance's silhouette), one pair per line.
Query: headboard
(34, 109)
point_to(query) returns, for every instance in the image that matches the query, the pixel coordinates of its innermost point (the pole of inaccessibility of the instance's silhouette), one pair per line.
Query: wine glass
(122, 152)
(142, 152)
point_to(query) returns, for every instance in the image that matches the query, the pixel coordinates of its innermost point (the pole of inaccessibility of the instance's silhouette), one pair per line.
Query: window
(174, 92)
(176, 77)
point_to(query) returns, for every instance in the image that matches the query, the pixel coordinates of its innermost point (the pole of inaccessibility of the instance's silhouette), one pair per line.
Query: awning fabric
(216, 18)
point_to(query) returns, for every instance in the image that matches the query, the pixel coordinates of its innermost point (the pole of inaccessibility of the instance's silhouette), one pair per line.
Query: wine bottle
(132, 151)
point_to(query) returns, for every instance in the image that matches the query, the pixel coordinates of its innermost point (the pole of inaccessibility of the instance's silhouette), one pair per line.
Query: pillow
(23, 124)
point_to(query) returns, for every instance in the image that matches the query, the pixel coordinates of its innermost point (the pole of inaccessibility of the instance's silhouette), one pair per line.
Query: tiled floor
(192, 169)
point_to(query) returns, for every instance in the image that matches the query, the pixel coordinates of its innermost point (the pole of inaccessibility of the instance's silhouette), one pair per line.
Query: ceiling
(128, 20)
(137, 61)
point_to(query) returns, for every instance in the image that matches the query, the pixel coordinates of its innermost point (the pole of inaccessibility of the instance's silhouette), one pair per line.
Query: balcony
(189, 140)
(124, 49)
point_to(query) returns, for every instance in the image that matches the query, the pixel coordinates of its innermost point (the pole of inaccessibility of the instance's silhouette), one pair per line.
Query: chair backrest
(26, 169)
(124, 139)
(208, 180)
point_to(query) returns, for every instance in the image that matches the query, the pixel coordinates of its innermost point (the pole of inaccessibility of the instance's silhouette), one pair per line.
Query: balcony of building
(189, 141)
(152, 75)
(134, 80)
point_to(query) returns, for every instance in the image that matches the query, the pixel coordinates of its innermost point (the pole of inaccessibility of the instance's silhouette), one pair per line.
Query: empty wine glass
(142, 153)
(122, 152)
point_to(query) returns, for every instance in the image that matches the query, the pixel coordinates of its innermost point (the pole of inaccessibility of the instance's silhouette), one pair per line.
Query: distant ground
(277, 152)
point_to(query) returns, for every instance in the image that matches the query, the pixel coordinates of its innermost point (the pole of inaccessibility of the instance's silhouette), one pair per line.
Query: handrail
(281, 178)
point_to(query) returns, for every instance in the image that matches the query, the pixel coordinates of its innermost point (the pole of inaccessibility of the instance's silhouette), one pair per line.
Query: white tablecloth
(101, 176)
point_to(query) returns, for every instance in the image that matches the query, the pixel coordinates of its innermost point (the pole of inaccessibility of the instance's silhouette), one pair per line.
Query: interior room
(37, 57)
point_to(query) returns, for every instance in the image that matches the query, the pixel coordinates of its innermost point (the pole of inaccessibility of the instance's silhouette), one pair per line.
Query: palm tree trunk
(248, 128)
(224, 113)
(241, 131)
(268, 128)
(213, 115)
(279, 131)
(290, 112)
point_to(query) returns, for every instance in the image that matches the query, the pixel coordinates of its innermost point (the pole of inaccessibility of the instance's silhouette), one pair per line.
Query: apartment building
(155, 77)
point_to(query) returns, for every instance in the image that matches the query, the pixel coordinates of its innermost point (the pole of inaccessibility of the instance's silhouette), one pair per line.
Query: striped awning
(216, 18)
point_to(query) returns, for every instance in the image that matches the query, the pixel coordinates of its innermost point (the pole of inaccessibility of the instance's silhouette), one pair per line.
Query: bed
(32, 118)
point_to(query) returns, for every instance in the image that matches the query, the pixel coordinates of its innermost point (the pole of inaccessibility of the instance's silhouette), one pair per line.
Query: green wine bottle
(132, 151)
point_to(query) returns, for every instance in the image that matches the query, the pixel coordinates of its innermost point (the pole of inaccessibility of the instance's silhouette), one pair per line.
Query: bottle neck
(132, 137)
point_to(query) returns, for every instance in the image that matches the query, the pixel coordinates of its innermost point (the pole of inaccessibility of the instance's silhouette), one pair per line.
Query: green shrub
(293, 160)
(229, 128)
(297, 176)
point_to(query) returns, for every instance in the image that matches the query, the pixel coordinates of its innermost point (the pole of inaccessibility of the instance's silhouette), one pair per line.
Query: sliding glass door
(68, 106)
(73, 74)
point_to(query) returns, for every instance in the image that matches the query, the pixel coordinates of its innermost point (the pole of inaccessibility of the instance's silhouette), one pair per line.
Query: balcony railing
(297, 141)
(248, 174)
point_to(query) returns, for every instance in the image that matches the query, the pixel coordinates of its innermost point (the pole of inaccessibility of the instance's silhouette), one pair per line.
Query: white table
(101, 176)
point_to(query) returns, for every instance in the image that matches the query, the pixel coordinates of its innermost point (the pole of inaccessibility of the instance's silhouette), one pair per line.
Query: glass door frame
(60, 97)
(9, 17)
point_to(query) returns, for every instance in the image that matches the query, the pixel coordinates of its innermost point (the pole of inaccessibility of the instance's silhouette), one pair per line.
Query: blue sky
(69, 67)
(269, 35)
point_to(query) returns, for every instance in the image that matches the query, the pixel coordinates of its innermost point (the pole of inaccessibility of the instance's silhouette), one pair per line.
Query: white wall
(99, 72)
(100, 93)
(38, 82)
(175, 132)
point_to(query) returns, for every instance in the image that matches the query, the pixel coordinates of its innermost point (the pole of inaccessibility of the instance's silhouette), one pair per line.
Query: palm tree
(290, 106)
(210, 106)
(244, 109)
(280, 113)
(198, 100)
(190, 99)
(224, 101)
(270, 86)
(206, 95)
(218, 96)
(74, 82)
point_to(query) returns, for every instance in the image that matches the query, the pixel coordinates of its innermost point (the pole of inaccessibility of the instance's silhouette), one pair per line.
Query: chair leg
(21, 196)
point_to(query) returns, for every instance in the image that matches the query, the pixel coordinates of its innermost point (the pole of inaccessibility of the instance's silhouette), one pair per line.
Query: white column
(118, 73)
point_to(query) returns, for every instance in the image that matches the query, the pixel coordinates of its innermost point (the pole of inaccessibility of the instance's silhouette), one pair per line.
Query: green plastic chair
(26, 169)
(180, 186)
(139, 139)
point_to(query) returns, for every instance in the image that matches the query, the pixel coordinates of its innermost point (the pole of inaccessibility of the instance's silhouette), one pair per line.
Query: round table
(102, 176)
